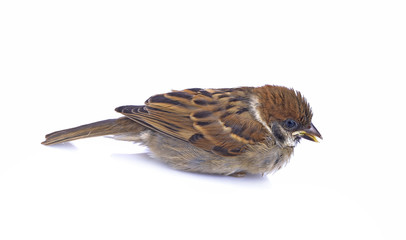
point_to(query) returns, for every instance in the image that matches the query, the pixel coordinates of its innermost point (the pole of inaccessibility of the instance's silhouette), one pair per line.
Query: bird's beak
(309, 134)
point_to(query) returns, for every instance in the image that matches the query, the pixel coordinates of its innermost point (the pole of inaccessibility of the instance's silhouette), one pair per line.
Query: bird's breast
(259, 158)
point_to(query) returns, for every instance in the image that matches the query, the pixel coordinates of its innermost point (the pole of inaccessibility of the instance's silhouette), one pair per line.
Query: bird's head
(287, 113)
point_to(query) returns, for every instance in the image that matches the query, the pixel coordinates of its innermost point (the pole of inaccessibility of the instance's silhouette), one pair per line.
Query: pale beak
(309, 134)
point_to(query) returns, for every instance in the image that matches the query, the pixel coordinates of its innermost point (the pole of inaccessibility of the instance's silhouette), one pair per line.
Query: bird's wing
(217, 120)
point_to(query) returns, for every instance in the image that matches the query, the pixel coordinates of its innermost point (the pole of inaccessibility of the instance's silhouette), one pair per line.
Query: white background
(66, 63)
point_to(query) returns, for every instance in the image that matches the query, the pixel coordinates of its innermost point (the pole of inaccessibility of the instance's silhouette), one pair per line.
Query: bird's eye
(290, 124)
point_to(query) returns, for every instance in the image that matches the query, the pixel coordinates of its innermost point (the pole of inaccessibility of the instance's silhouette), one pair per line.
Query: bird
(225, 131)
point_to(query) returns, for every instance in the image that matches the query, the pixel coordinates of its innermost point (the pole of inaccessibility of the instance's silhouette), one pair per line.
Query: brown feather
(121, 125)
(280, 103)
(212, 119)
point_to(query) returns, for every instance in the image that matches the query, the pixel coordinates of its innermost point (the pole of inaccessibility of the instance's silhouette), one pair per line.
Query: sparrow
(227, 131)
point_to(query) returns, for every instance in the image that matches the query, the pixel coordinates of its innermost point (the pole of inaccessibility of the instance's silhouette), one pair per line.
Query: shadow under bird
(229, 131)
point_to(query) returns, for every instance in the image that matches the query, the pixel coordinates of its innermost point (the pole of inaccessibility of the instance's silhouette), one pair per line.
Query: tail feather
(101, 128)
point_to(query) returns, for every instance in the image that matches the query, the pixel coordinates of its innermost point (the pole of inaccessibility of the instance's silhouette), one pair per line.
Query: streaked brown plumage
(221, 131)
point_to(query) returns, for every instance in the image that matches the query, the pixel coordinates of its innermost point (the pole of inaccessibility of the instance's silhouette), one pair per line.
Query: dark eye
(290, 124)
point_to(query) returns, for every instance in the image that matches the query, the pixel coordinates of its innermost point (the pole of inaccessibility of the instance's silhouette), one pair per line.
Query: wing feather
(217, 120)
